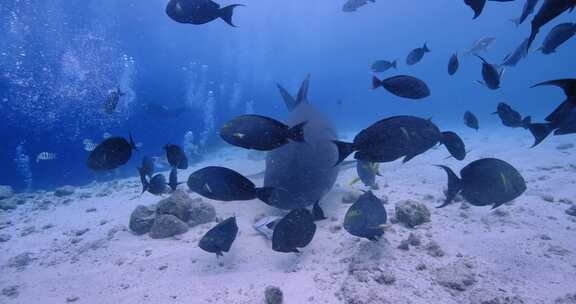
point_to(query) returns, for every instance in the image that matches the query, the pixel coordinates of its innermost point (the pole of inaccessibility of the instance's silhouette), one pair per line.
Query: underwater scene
(319, 151)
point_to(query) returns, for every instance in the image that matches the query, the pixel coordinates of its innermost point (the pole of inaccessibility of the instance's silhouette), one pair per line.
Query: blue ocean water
(59, 59)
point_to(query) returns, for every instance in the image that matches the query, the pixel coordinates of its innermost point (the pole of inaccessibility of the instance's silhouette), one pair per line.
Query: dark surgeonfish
(148, 166)
(223, 184)
(305, 171)
(157, 185)
(260, 132)
(471, 121)
(295, 230)
(511, 118)
(478, 5)
(548, 11)
(367, 172)
(403, 86)
(366, 217)
(453, 64)
(557, 36)
(491, 74)
(112, 100)
(563, 119)
(485, 182)
(399, 136)
(519, 53)
(111, 154)
(173, 179)
(416, 55)
(199, 11)
(176, 157)
(317, 212)
(162, 111)
(527, 10)
(381, 66)
(220, 238)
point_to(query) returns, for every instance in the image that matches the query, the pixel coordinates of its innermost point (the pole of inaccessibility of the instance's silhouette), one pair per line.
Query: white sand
(526, 249)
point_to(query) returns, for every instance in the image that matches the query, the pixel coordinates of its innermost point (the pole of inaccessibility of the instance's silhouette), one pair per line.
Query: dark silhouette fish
(157, 185)
(305, 171)
(416, 55)
(366, 217)
(491, 74)
(471, 121)
(220, 238)
(403, 86)
(223, 184)
(260, 132)
(400, 136)
(563, 119)
(519, 53)
(176, 157)
(148, 166)
(478, 5)
(548, 11)
(295, 230)
(318, 213)
(485, 182)
(511, 118)
(381, 66)
(173, 179)
(112, 100)
(527, 10)
(557, 36)
(199, 11)
(453, 64)
(111, 154)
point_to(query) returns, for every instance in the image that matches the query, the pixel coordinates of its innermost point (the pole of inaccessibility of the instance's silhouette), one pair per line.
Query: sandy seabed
(78, 249)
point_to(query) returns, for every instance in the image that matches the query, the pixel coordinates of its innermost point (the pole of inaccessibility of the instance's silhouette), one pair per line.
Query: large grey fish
(199, 11)
(306, 171)
(527, 10)
(557, 36)
(513, 58)
(548, 11)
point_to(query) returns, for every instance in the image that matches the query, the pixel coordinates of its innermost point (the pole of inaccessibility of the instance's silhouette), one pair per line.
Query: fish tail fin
(265, 194)
(454, 144)
(290, 102)
(376, 83)
(526, 122)
(344, 150)
(227, 12)
(303, 91)
(132, 144)
(395, 63)
(296, 133)
(540, 131)
(317, 212)
(425, 47)
(454, 186)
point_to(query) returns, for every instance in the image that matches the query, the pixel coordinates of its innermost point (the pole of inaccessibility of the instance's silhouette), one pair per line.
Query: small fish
(491, 74)
(112, 100)
(220, 238)
(511, 118)
(471, 121)
(157, 185)
(260, 132)
(513, 58)
(453, 64)
(480, 45)
(199, 11)
(176, 157)
(366, 217)
(416, 55)
(485, 182)
(353, 5)
(295, 230)
(557, 36)
(527, 10)
(45, 156)
(403, 86)
(381, 66)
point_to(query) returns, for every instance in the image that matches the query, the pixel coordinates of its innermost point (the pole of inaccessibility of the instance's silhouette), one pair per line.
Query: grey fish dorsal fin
(290, 102)
(303, 92)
